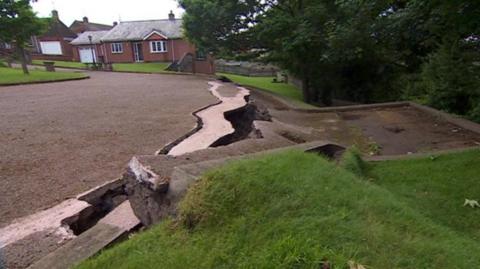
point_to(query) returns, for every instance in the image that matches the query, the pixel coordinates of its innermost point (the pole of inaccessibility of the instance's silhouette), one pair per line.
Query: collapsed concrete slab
(152, 206)
(112, 227)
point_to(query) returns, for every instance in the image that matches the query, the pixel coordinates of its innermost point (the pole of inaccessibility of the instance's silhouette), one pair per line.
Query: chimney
(115, 23)
(171, 16)
(85, 19)
(55, 15)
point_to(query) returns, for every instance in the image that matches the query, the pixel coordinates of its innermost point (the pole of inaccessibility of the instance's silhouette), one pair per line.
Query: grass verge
(293, 210)
(290, 92)
(13, 75)
(142, 67)
(62, 64)
(437, 187)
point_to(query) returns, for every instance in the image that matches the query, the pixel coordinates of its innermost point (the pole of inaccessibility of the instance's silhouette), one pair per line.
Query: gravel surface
(60, 139)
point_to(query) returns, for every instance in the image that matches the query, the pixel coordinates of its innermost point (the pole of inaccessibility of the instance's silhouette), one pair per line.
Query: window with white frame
(158, 46)
(51, 47)
(117, 47)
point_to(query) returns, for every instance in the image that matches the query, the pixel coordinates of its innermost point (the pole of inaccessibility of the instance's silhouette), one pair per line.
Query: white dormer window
(158, 46)
(117, 48)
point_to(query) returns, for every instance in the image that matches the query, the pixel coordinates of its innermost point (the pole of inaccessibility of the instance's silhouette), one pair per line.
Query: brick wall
(125, 57)
(67, 50)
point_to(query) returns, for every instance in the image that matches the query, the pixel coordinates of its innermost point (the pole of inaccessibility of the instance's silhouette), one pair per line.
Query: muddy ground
(60, 139)
(379, 131)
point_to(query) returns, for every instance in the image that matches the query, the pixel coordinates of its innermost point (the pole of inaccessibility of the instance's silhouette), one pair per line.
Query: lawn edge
(42, 81)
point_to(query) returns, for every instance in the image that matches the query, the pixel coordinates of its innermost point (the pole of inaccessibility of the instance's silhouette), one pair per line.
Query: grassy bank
(297, 210)
(288, 91)
(437, 187)
(141, 67)
(13, 75)
(62, 64)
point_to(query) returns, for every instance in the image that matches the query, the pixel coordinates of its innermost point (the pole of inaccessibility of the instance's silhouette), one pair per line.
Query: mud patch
(292, 137)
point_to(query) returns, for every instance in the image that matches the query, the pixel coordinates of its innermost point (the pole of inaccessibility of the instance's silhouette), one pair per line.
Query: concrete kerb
(132, 72)
(42, 82)
(420, 155)
(292, 106)
(455, 120)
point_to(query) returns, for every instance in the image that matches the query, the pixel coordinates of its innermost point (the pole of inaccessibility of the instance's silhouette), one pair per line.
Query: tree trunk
(306, 90)
(23, 59)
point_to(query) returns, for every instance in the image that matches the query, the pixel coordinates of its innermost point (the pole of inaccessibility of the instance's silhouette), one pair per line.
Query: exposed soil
(58, 140)
(404, 130)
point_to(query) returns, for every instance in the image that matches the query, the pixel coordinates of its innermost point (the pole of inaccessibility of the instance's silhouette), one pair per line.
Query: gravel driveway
(60, 139)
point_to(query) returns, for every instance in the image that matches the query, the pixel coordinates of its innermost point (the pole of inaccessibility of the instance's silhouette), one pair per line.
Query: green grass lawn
(437, 188)
(14, 75)
(266, 83)
(62, 63)
(142, 67)
(296, 210)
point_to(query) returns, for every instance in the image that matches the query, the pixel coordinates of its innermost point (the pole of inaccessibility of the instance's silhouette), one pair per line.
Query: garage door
(86, 55)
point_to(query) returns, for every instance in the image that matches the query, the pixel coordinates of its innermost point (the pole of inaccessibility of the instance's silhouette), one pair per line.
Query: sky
(107, 11)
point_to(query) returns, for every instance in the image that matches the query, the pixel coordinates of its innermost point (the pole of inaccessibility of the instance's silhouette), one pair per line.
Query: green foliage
(18, 21)
(363, 51)
(295, 210)
(452, 81)
(352, 161)
(18, 24)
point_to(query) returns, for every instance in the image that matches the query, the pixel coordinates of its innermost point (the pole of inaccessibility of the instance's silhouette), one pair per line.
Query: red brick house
(54, 44)
(140, 41)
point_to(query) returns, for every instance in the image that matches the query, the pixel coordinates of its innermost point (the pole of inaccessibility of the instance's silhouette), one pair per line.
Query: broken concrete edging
(49, 221)
(151, 206)
(111, 228)
(215, 125)
(42, 82)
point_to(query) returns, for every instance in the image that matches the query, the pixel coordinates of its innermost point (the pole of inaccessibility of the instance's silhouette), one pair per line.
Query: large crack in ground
(221, 124)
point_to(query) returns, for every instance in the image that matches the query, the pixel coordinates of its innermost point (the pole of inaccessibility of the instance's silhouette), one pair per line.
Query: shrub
(451, 81)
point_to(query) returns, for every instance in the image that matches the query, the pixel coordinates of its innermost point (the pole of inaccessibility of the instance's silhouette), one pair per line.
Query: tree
(19, 23)
(359, 50)
(322, 42)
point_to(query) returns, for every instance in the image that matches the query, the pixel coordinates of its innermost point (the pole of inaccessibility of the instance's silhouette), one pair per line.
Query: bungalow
(139, 41)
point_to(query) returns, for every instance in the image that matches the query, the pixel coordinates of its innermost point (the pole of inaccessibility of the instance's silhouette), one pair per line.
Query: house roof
(82, 26)
(83, 39)
(56, 28)
(138, 30)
